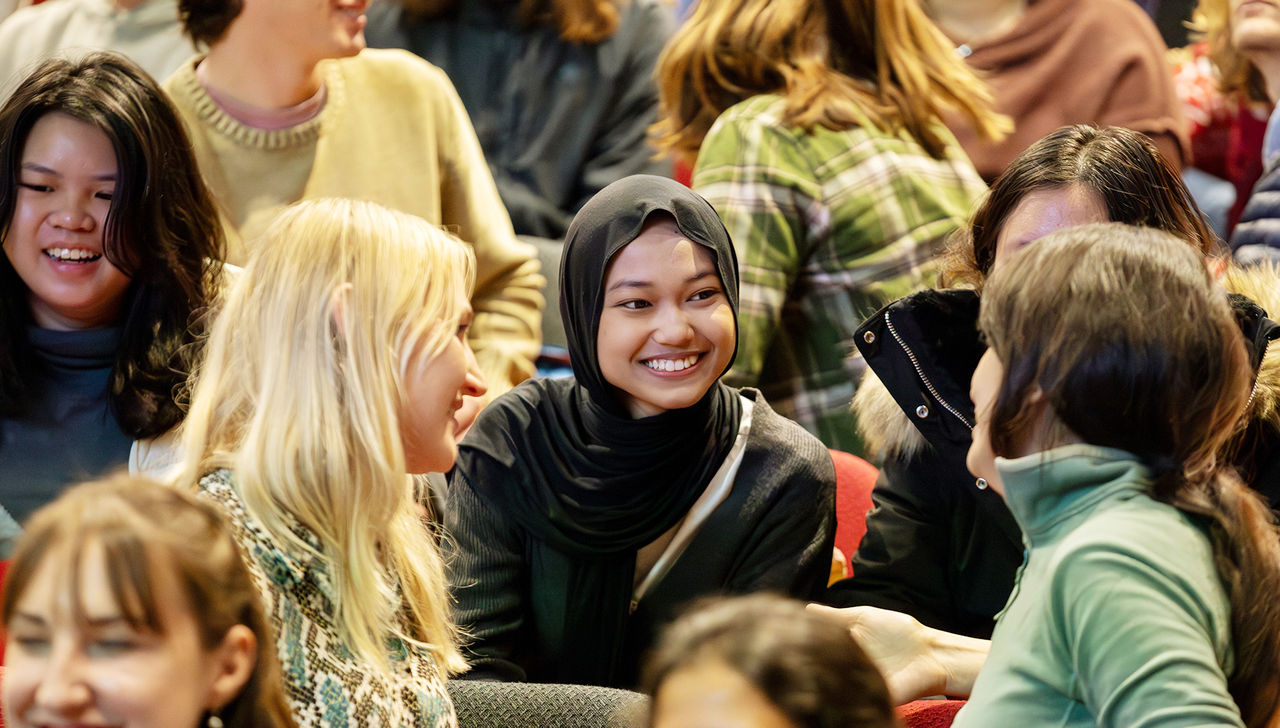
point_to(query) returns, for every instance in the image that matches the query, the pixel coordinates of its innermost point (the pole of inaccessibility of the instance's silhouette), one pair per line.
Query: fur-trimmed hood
(884, 427)
(1261, 284)
(921, 352)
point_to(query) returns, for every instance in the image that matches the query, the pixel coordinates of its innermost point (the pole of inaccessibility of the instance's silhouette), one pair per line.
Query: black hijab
(565, 460)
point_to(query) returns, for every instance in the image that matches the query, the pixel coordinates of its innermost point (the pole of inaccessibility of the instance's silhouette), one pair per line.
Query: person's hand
(898, 645)
(916, 661)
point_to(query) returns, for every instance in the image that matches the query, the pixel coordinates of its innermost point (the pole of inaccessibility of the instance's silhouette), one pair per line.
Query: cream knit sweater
(392, 131)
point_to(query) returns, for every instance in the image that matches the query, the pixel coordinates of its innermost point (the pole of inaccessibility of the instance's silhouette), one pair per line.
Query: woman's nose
(73, 214)
(673, 327)
(474, 385)
(63, 690)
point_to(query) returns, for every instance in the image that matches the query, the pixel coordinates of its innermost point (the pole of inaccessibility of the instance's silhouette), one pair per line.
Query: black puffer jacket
(938, 547)
(1257, 236)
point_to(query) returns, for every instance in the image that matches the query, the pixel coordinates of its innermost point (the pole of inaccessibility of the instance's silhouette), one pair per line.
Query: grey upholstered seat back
(487, 704)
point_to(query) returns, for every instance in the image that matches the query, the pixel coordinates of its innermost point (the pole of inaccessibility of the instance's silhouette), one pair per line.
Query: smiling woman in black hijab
(586, 511)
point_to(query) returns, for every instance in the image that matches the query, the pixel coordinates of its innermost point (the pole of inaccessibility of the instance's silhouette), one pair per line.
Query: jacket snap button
(869, 337)
(922, 411)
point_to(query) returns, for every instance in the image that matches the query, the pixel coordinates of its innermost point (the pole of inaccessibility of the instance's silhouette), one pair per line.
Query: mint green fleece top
(1117, 618)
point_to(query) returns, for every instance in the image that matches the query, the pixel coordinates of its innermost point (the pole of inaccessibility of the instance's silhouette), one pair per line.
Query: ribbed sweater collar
(208, 112)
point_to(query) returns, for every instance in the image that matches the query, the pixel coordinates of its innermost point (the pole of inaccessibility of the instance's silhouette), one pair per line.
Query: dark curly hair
(162, 230)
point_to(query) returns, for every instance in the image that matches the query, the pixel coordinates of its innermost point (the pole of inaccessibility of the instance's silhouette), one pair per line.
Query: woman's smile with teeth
(72, 255)
(672, 365)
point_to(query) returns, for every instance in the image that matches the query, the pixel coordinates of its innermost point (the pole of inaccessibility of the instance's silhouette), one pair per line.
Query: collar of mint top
(1047, 491)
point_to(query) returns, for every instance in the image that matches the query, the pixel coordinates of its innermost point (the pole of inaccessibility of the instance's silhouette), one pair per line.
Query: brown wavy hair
(1121, 166)
(839, 64)
(1069, 316)
(1237, 76)
(142, 526)
(577, 21)
(803, 662)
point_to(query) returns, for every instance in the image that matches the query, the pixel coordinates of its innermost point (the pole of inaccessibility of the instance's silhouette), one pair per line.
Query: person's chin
(348, 46)
(979, 466)
(460, 429)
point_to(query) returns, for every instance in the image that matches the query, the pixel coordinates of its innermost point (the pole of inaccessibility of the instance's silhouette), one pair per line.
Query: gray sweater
(558, 121)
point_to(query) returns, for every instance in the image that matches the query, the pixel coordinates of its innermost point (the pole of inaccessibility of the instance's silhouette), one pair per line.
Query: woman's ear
(1035, 396)
(1048, 431)
(233, 662)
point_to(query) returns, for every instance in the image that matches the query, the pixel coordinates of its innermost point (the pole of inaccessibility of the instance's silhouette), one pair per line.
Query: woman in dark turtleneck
(110, 239)
(586, 511)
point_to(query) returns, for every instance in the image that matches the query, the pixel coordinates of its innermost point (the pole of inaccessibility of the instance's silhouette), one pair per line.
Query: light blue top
(1117, 618)
(1271, 139)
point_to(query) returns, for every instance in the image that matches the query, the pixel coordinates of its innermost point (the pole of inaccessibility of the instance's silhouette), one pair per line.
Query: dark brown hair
(1072, 316)
(206, 21)
(162, 230)
(806, 664)
(142, 526)
(1121, 166)
(577, 21)
(840, 64)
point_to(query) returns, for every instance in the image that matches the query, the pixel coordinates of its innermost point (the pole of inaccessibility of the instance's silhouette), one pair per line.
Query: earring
(981, 483)
(214, 721)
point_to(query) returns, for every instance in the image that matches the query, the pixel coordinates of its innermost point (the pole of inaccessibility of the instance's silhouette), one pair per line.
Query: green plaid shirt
(828, 227)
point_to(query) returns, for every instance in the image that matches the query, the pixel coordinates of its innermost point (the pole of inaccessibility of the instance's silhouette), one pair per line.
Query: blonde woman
(818, 140)
(337, 366)
(1244, 45)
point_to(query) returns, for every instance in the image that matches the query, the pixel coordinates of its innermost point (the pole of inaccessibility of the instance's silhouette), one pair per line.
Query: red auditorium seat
(929, 713)
(855, 478)
(4, 569)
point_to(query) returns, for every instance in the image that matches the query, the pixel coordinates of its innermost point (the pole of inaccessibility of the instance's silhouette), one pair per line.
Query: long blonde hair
(300, 395)
(839, 64)
(1237, 76)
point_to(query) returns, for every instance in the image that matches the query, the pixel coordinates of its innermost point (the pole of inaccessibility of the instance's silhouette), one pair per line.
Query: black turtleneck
(69, 435)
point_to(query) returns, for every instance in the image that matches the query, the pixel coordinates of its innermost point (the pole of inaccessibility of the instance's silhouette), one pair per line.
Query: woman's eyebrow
(106, 621)
(41, 169)
(628, 283)
(34, 619)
